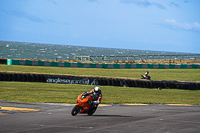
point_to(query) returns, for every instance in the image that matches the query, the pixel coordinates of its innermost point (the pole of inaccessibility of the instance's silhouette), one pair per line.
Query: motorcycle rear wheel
(91, 111)
(75, 110)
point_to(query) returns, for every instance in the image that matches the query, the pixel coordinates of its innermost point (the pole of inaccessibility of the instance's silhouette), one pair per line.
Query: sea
(21, 50)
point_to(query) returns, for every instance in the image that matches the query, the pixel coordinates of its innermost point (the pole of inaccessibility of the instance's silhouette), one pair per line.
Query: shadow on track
(107, 116)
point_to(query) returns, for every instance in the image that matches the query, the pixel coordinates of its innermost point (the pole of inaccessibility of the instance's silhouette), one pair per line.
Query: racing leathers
(146, 75)
(97, 96)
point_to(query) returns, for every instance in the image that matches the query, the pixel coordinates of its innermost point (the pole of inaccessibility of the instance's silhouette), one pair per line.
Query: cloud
(173, 4)
(173, 24)
(92, 0)
(144, 3)
(158, 5)
(57, 22)
(21, 14)
(54, 2)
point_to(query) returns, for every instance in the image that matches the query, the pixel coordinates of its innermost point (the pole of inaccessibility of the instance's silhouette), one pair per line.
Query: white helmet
(96, 89)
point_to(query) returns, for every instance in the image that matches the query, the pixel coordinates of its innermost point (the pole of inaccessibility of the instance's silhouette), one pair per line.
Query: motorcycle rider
(146, 75)
(97, 95)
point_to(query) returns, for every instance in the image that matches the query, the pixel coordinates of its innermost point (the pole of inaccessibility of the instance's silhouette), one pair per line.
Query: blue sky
(161, 25)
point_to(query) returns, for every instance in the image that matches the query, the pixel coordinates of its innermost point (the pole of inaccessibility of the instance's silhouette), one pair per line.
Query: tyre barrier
(66, 79)
(3, 61)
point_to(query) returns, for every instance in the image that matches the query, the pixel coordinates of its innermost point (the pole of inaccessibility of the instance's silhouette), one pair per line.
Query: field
(156, 74)
(67, 93)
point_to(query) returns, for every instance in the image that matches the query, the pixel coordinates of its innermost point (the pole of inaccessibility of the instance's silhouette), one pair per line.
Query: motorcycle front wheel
(75, 110)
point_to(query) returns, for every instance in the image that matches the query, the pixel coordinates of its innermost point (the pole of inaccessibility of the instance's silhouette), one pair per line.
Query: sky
(158, 25)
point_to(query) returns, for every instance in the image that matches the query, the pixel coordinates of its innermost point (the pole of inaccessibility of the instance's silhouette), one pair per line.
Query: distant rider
(146, 76)
(97, 95)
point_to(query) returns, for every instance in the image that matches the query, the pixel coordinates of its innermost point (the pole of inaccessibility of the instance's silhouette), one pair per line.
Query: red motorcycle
(84, 105)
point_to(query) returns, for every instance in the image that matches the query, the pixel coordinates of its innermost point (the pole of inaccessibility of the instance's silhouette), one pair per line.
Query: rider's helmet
(96, 89)
(147, 72)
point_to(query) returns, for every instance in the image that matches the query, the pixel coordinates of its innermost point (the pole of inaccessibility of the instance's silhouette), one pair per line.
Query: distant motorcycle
(146, 77)
(84, 105)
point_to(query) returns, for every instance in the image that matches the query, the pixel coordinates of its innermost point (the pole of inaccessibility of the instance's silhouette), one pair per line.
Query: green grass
(156, 74)
(67, 93)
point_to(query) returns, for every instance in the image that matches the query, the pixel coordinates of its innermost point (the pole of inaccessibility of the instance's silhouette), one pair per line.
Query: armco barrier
(100, 65)
(69, 79)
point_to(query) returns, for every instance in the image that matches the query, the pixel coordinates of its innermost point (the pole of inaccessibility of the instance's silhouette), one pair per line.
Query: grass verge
(156, 74)
(67, 93)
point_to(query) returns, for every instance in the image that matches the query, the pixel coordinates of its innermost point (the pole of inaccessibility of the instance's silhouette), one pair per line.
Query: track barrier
(100, 65)
(70, 79)
(3, 61)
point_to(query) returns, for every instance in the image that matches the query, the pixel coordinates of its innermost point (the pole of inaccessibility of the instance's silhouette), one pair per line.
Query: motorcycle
(145, 77)
(84, 105)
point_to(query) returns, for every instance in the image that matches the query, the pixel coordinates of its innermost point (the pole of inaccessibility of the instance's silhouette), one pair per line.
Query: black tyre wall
(26, 77)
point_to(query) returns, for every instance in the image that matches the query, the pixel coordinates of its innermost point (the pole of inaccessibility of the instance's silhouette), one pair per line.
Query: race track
(53, 118)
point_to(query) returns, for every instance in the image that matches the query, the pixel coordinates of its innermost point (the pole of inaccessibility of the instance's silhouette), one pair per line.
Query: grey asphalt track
(57, 118)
